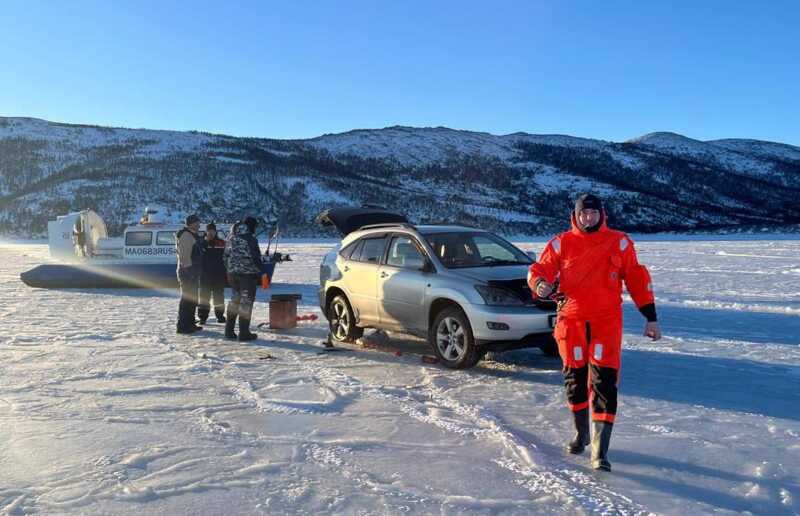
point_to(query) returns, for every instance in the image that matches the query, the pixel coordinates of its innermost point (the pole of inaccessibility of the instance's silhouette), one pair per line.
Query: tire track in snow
(539, 472)
(541, 475)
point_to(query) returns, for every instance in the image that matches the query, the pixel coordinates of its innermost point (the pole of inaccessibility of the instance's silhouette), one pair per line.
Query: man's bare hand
(543, 288)
(652, 330)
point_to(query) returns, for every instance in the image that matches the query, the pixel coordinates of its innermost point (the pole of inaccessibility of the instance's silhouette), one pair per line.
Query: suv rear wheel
(341, 321)
(452, 340)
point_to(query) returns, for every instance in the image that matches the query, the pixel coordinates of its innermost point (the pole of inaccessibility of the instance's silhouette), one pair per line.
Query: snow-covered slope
(730, 156)
(768, 150)
(422, 146)
(514, 184)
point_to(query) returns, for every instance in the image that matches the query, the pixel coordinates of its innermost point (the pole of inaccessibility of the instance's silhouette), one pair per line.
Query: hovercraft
(144, 257)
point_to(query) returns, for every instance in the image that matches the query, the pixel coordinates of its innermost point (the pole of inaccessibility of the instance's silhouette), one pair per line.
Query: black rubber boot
(582, 437)
(220, 315)
(244, 330)
(230, 323)
(202, 314)
(600, 442)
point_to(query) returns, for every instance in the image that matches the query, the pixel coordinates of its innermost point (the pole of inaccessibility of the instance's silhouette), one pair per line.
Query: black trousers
(188, 281)
(244, 295)
(211, 291)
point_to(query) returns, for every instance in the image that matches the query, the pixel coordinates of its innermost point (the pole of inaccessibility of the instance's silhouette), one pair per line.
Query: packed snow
(105, 410)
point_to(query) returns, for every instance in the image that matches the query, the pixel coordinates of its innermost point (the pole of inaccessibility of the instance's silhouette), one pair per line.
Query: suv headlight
(498, 296)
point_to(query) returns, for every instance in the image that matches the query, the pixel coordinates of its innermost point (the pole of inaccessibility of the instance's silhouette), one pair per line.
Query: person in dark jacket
(244, 266)
(212, 276)
(190, 256)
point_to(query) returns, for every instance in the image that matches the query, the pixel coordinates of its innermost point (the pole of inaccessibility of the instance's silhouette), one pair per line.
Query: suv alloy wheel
(341, 321)
(452, 340)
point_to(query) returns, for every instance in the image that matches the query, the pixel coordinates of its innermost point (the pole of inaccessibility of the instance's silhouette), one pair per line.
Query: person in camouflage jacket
(243, 263)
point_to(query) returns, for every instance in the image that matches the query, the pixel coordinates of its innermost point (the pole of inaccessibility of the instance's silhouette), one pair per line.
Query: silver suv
(463, 289)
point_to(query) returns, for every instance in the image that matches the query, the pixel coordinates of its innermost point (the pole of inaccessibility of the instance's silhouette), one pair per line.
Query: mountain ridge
(516, 184)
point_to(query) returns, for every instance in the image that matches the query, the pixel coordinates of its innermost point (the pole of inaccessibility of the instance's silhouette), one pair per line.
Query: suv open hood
(490, 274)
(347, 220)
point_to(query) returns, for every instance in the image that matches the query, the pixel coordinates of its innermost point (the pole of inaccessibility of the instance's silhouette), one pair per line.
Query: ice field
(105, 410)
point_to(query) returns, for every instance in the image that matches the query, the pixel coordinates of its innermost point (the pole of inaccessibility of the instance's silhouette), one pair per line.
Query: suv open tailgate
(349, 219)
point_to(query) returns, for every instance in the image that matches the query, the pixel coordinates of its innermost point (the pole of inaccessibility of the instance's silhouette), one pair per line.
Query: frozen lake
(105, 410)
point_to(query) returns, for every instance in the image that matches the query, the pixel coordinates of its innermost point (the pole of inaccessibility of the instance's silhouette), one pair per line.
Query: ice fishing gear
(328, 346)
(275, 256)
(283, 311)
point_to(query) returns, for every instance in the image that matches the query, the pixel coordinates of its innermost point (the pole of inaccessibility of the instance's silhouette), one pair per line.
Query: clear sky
(296, 69)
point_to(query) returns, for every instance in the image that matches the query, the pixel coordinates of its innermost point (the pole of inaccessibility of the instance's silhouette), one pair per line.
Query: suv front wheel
(452, 340)
(342, 322)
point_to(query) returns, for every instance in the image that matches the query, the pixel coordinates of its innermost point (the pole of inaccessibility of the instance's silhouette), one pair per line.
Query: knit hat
(590, 202)
(191, 219)
(251, 224)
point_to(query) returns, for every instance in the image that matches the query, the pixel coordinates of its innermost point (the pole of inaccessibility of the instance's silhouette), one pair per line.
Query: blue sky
(297, 69)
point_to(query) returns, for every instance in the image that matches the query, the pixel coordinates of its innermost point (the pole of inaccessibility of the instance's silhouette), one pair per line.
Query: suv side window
(403, 253)
(371, 250)
(352, 250)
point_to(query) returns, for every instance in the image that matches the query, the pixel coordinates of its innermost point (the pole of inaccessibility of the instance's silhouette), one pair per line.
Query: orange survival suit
(590, 268)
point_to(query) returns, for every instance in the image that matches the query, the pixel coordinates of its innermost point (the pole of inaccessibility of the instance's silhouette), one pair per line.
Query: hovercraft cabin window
(138, 238)
(165, 238)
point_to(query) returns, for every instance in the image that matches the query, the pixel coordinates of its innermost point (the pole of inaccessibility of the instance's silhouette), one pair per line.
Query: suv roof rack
(388, 225)
(447, 223)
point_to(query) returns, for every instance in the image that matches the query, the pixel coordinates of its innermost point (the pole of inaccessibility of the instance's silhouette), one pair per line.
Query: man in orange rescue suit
(584, 269)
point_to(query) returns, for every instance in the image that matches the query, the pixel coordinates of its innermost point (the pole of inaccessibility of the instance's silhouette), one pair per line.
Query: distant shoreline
(638, 237)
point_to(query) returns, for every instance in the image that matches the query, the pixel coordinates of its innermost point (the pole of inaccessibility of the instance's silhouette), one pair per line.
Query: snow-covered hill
(515, 184)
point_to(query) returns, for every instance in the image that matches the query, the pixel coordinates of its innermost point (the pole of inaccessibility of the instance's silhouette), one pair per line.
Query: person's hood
(241, 229)
(576, 229)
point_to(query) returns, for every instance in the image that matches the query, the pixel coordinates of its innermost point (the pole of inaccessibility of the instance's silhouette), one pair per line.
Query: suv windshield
(474, 249)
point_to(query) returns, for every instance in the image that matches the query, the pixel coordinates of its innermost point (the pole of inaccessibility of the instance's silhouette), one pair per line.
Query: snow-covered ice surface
(104, 410)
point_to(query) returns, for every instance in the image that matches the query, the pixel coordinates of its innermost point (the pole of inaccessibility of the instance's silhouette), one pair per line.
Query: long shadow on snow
(716, 498)
(721, 383)
(124, 292)
(688, 489)
(700, 323)
(537, 367)
(308, 291)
